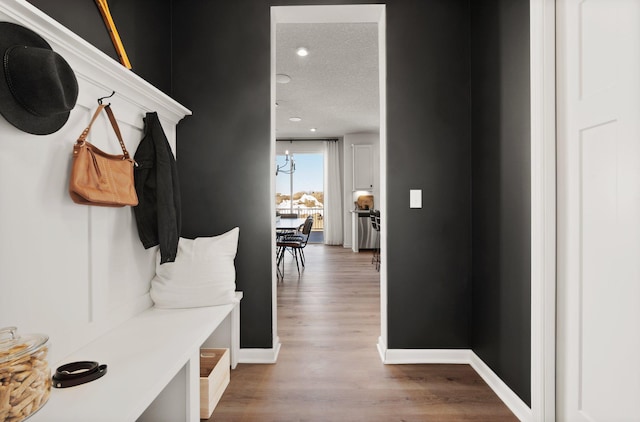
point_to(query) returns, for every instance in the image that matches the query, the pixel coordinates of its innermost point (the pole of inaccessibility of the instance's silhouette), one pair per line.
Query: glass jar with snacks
(25, 377)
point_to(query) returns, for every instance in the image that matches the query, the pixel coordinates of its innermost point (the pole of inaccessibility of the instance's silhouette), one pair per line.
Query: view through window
(302, 192)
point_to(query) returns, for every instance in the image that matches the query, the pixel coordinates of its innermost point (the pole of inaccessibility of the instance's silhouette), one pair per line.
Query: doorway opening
(372, 16)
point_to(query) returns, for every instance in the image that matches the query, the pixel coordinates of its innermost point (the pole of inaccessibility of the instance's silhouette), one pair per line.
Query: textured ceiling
(335, 87)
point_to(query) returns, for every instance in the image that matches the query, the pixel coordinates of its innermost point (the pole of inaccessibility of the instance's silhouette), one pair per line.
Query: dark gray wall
(428, 148)
(221, 72)
(144, 27)
(501, 323)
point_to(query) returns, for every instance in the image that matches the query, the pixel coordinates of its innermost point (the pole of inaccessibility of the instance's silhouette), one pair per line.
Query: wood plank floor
(329, 368)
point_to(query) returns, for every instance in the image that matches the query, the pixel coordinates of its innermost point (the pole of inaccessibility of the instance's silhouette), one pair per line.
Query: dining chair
(375, 223)
(295, 243)
(303, 235)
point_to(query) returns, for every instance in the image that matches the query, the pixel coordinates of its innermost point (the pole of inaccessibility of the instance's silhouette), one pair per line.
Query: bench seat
(153, 367)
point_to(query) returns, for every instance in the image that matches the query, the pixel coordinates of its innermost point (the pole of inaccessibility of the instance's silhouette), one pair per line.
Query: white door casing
(598, 73)
(358, 13)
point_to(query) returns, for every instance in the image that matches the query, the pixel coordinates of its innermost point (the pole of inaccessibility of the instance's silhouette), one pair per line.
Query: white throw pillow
(203, 274)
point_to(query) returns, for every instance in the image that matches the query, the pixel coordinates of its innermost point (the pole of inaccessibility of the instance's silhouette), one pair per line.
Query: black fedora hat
(38, 88)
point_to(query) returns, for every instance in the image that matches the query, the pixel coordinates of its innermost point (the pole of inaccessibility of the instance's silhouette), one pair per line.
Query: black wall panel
(501, 322)
(428, 148)
(221, 71)
(144, 27)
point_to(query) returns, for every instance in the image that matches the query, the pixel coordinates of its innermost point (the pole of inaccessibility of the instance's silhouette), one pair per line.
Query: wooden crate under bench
(214, 378)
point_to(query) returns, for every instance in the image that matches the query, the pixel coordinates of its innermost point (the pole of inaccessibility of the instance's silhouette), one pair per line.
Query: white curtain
(332, 195)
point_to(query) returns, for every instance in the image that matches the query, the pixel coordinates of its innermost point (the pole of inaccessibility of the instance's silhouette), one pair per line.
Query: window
(302, 192)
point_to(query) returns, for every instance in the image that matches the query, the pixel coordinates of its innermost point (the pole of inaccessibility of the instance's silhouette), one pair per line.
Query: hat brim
(12, 34)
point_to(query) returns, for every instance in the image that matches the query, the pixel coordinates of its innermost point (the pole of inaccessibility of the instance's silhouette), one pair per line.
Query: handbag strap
(116, 129)
(83, 136)
(114, 124)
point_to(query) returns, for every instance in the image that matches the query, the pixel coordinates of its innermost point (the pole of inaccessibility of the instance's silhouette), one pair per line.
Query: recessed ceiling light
(295, 119)
(281, 78)
(313, 129)
(301, 51)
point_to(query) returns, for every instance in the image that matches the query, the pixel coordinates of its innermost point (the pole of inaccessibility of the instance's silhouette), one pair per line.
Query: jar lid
(14, 346)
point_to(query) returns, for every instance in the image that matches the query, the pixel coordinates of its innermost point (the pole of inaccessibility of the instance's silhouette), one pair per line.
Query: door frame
(361, 13)
(543, 209)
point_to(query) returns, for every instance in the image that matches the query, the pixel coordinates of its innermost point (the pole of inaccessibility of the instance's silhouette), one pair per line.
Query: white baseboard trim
(416, 356)
(458, 356)
(260, 355)
(502, 390)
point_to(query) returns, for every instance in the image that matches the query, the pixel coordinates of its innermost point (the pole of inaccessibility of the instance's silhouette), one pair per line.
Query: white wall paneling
(72, 271)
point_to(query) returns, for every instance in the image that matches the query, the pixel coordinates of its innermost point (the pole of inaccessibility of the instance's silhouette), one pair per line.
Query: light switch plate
(415, 198)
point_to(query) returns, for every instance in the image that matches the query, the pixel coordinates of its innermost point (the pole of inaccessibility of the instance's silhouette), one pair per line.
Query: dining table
(289, 223)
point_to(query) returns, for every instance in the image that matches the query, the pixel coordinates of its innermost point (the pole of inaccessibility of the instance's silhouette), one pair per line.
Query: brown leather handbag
(98, 178)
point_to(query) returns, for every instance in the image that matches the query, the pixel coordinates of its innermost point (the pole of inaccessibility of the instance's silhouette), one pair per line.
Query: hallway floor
(329, 368)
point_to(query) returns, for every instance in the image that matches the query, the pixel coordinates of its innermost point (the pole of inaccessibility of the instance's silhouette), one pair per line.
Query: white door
(598, 367)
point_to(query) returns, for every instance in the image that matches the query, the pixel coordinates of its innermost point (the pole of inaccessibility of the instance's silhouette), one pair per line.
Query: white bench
(153, 367)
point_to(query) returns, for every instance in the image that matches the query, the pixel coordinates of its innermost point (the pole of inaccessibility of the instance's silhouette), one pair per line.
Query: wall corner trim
(382, 349)
(267, 356)
(458, 356)
(543, 209)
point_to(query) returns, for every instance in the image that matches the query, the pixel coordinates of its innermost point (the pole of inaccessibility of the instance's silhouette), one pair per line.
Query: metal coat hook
(108, 96)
